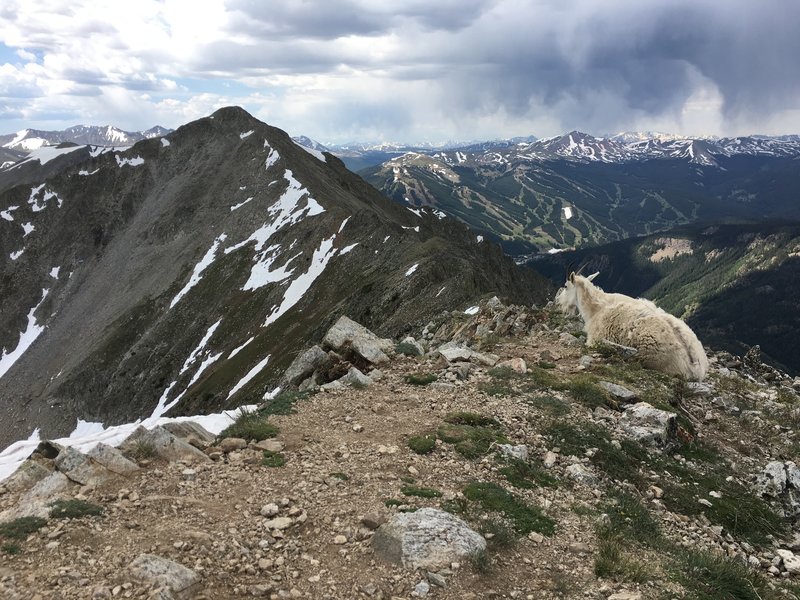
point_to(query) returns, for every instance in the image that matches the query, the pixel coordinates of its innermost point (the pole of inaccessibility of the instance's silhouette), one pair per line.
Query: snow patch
(246, 134)
(472, 310)
(33, 200)
(27, 228)
(301, 285)
(412, 270)
(567, 212)
(414, 228)
(241, 204)
(197, 273)
(416, 211)
(133, 162)
(54, 272)
(26, 338)
(250, 374)
(555, 250)
(6, 214)
(164, 142)
(438, 213)
(479, 238)
(17, 254)
(44, 154)
(439, 293)
(240, 348)
(85, 173)
(261, 274)
(347, 249)
(315, 153)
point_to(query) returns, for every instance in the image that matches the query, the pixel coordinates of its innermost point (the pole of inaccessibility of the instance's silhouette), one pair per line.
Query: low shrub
(74, 509)
(273, 459)
(420, 378)
(21, 528)
(422, 444)
(523, 518)
(250, 425)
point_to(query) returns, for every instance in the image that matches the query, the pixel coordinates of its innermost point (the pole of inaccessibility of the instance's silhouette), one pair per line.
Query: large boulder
(158, 571)
(163, 444)
(304, 366)
(28, 474)
(455, 351)
(780, 481)
(347, 335)
(81, 469)
(112, 459)
(649, 425)
(36, 501)
(191, 433)
(426, 539)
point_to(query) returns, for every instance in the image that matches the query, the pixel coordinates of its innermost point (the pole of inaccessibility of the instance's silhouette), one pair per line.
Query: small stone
(625, 596)
(269, 510)
(536, 537)
(791, 562)
(581, 474)
(705, 502)
(279, 523)
(373, 520)
(413, 471)
(657, 492)
(619, 392)
(340, 539)
(358, 428)
(269, 445)
(189, 474)
(232, 444)
(519, 452)
(422, 588)
(579, 548)
(550, 459)
(437, 579)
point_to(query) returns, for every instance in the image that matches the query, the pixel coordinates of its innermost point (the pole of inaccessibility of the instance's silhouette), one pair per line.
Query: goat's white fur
(664, 342)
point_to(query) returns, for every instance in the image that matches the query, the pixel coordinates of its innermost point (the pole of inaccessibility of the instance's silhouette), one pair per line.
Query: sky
(411, 71)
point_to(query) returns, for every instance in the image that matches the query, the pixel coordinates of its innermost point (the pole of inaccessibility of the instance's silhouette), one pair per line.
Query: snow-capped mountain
(32, 139)
(186, 272)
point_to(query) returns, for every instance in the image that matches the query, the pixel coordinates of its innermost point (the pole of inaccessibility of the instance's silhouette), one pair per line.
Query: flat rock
(28, 474)
(519, 452)
(619, 392)
(515, 364)
(112, 459)
(164, 444)
(626, 596)
(153, 569)
(191, 433)
(791, 562)
(577, 472)
(649, 425)
(304, 365)
(232, 444)
(355, 378)
(455, 352)
(270, 445)
(347, 334)
(34, 502)
(280, 523)
(81, 469)
(426, 539)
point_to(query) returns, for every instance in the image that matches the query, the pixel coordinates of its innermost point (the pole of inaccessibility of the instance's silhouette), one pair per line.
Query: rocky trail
(507, 461)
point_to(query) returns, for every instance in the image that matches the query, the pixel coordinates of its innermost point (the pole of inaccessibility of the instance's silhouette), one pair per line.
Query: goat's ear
(572, 277)
(593, 275)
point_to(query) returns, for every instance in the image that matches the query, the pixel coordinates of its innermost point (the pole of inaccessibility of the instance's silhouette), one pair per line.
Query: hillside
(187, 270)
(736, 285)
(569, 490)
(576, 190)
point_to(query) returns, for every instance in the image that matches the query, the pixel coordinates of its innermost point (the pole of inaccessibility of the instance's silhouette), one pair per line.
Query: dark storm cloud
(649, 56)
(338, 18)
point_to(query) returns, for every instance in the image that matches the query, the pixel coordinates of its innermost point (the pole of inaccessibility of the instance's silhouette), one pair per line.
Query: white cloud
(364, 69)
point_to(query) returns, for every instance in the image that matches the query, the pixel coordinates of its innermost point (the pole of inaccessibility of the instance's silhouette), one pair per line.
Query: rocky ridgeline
(492, 455)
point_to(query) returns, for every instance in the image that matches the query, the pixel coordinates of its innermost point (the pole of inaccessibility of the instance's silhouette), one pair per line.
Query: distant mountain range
(576, 189)
(94, 135)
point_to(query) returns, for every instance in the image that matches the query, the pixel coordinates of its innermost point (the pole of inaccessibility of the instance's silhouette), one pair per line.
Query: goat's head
(567, 297)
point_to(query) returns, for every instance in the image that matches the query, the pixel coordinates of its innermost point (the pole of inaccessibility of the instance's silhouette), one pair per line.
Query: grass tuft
(21, 528)
(611, 562)
(12, 549)
(523, 518)
(422, 444)
(420, 378)
(74, 509)
(282, 404)
(273, 459)
(420, 492)
(250, 425)
(709, 577)
(526, 475)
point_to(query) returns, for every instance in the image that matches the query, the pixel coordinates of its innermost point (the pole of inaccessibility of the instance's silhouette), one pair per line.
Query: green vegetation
(390, 502)
(523, 518)
(423, 444)
(273, 459)
(74, 509)
(420, 378)
(587, 392)
(340, 476)
(250, 425)
(21, 528)
(498, 533)
(12, 549)
(407, 349)
(526, 475)
(628, 518)
(282, 404)
(709, 577)
(549, 404)
(420, 492)
(471, 433)
(142, 449)
(612, 562)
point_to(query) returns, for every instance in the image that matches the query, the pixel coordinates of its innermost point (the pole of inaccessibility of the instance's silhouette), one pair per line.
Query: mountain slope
(576, 190)
(191, 267)
(736, 285)
(28, 140)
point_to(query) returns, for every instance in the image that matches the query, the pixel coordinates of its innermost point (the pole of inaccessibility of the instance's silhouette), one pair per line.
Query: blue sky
(345, 70)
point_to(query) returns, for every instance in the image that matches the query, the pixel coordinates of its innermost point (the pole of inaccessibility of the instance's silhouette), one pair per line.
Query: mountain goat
(665, 343)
